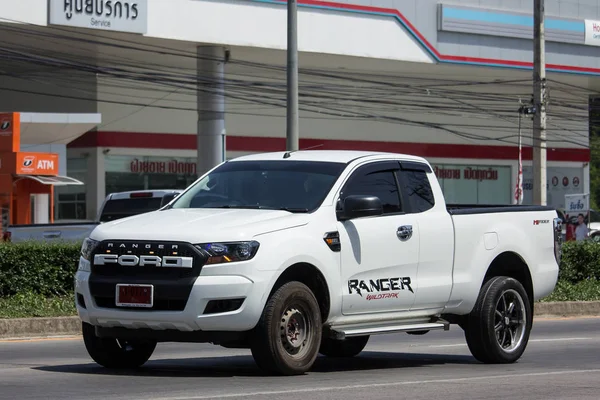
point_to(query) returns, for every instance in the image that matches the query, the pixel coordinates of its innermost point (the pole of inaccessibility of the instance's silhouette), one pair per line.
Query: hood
(197, 225)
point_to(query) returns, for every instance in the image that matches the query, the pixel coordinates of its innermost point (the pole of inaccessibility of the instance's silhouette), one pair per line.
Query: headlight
(221, 253)
(88, 247)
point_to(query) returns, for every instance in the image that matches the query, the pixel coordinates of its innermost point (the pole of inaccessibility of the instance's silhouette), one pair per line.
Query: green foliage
(579, 273)
(580, 262)
(41, 268)
(36, 279)
(30, 304)
(588, 290)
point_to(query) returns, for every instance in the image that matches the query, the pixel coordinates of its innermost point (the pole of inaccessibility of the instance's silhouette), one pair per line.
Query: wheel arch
(312, 277)
(512, 265)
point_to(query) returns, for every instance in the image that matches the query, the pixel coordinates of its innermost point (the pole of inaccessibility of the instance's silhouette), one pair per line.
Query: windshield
(296, 186)
(121, 208)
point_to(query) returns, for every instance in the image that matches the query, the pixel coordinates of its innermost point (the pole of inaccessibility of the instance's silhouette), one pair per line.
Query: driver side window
(375, 182)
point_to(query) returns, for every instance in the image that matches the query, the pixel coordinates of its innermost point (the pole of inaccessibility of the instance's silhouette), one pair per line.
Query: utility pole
(292, 134)
(539, 102)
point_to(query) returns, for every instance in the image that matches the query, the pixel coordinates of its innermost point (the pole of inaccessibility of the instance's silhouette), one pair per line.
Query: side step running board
(341, 332)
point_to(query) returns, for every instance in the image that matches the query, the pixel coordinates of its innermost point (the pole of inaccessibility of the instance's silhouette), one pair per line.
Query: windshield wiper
(230, 206)
(295, 209)
(289, 209)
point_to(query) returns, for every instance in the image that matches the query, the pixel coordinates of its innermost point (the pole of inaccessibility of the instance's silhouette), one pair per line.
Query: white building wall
(264, 25)
(138, 118)
(243, 23)
(24, 11)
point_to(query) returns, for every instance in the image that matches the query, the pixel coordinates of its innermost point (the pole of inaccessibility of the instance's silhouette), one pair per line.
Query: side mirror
(360, 206)
(166, 199)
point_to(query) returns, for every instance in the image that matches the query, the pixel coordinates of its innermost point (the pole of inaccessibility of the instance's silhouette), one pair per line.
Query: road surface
(561, 362)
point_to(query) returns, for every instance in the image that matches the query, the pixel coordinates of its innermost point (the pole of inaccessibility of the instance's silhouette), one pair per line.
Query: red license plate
(132, 295)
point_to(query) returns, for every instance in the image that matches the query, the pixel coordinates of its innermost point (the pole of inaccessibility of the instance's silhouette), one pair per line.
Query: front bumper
(193, 317)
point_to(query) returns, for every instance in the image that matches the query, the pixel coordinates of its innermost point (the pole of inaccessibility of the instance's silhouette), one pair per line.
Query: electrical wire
(324, 94)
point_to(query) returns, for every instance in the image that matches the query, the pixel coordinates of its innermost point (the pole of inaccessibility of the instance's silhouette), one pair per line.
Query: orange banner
(10, 132)
(37, 164)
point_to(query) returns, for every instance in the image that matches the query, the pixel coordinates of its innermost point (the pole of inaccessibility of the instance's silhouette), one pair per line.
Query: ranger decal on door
(379, 285)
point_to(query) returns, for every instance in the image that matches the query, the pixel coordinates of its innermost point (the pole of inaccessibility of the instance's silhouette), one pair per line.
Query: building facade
(182, 84)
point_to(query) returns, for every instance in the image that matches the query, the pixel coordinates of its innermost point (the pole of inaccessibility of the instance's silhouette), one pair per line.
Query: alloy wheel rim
(509, 320)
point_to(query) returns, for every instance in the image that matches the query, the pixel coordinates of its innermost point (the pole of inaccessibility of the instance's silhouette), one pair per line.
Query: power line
(377, 93)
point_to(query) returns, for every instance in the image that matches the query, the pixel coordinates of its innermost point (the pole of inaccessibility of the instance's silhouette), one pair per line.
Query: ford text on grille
(129, 260)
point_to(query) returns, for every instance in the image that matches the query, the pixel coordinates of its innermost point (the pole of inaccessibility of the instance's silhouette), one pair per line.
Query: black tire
(116, 354)
(349, 347)
(480, 331)
(273, 347)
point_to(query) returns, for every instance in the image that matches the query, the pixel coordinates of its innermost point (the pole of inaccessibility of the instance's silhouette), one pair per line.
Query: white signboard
(577, 203)
(592, 33)
(109, 15)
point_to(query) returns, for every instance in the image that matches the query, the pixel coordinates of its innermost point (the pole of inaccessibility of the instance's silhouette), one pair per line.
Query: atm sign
(37, 163)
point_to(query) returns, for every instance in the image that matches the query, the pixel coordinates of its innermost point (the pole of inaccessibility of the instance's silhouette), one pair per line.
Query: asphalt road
(561, 362)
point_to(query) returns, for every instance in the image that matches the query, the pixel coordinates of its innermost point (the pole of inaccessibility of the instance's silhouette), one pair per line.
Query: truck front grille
(172, 285)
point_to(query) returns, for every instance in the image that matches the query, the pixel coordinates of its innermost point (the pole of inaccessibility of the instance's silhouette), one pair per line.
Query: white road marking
(385, 384)
(561, 339)
(530, 340)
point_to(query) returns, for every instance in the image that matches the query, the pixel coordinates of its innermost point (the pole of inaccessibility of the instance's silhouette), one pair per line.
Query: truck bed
(466, 209)
(521, 235)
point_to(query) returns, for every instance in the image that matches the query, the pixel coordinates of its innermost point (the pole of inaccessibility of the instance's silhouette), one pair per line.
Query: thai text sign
(109, 15)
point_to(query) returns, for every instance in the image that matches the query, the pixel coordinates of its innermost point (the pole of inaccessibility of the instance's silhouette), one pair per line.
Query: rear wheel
(348, 347)
(498, 328)
(287, 338)
(116, 353)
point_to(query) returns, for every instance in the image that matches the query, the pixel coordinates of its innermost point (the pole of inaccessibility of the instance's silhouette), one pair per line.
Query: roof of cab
(342, 156)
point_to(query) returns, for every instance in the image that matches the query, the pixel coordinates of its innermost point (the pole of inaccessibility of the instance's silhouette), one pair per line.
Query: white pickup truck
(295, 254)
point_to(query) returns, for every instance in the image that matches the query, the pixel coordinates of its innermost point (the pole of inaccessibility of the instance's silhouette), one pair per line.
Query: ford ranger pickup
(295, 254)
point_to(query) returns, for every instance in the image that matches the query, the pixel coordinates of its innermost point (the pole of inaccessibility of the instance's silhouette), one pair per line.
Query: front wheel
(498, 328)
(287, 338)
(115, 353)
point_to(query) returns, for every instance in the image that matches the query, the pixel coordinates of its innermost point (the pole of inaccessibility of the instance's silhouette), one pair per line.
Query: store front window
(125, 173)
(69, 201)
(474, 184)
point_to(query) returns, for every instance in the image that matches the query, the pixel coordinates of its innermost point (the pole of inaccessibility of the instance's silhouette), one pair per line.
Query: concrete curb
(68, 326)
(39, 327)
(568, 309)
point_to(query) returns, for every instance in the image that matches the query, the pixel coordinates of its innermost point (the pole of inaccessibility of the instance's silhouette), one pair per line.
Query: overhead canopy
(52, 180)
(55, 128)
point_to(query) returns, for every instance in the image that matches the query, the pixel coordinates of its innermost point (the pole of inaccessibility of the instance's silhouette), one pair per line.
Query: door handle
(404, 232)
